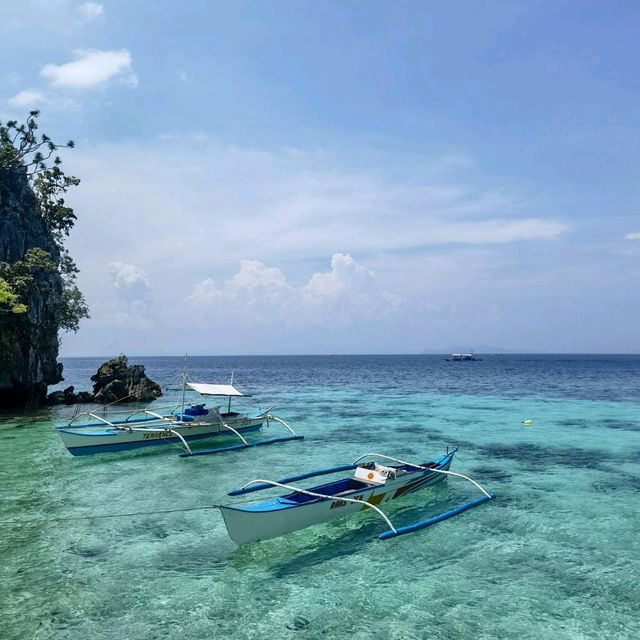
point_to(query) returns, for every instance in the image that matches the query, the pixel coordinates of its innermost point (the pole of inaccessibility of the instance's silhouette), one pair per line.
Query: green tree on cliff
(9, 301)
(22, 146)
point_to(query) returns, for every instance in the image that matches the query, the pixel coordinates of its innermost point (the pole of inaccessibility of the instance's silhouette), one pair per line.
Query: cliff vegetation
(39, 297)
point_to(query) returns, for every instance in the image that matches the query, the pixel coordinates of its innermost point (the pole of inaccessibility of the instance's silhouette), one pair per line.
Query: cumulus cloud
(340, 296)
(632, 236)
(130, 280)
(90, 11)
(346, 276)
(91, 68)
(27, 98)
(419, 239)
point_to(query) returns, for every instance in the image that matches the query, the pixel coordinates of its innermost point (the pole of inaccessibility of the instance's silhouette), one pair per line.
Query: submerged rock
(117, 381)
(299, 623)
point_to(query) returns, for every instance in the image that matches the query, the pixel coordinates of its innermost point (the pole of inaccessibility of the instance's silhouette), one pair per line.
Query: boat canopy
(215, 389)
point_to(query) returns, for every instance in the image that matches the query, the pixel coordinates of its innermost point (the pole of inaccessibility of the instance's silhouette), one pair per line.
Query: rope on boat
(104, 516)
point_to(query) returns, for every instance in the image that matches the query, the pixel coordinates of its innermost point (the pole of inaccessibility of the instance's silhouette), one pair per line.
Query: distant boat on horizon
(463, 357)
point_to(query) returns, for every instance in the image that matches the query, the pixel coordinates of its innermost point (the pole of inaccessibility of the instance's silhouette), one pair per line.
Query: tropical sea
(555, 555)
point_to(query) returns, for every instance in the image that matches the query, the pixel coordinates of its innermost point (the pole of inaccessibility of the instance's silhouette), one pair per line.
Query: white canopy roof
(215, 389)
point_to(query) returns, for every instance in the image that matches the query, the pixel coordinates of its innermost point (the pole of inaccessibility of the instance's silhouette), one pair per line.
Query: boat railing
(418, 466)
(138, 411)
(97, 417)
(159, 416)
(125, 415)
(323, 496)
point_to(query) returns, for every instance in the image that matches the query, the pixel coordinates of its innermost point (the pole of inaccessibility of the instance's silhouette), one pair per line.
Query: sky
(297, 177)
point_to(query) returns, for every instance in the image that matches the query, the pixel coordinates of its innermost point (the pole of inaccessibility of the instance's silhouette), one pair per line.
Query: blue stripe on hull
(427, 479)
(125, 446)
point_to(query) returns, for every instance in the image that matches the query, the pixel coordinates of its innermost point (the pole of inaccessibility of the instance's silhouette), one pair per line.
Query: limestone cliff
(29, 343)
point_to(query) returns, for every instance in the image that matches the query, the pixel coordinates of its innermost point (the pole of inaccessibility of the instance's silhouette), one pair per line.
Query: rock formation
(29, 344)
(68, 396)
(117, 381)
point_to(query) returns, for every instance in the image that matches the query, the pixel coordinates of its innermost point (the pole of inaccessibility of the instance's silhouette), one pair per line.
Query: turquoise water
(556, 555)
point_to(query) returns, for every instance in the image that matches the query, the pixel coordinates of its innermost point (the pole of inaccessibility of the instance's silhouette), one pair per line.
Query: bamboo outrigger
(372, 484)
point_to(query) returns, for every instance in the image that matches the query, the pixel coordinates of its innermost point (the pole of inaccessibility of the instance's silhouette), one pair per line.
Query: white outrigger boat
(372, 484)
(180, 425)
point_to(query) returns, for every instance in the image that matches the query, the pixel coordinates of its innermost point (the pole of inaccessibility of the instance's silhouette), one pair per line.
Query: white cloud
(496, 231)
(27, 98)
(92, 68)
(131, 280)
(346, 276)
(91, 11)
(422, 242)
(632, 236)
(194, 195)
(257, 293)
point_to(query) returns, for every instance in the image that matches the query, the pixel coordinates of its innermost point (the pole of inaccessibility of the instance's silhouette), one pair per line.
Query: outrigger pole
(245, 443)
(431, 521)
(301, 476)
(423, 524)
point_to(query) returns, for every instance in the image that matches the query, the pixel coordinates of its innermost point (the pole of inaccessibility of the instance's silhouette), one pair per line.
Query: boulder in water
(117, 381)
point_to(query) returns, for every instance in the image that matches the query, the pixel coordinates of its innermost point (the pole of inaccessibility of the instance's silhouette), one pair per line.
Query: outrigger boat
(180, 425)
(463, 357)
(373, 484)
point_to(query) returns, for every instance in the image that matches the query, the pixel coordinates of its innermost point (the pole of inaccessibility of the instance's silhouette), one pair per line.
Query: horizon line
(325, 354)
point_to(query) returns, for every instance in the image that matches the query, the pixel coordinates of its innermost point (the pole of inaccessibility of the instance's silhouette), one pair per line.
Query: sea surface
(556, 555)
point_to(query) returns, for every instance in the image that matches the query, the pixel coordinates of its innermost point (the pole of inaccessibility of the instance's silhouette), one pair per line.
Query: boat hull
(278, 517)
(88, 440)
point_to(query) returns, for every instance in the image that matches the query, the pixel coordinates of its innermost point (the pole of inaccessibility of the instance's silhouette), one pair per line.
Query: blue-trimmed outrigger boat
(180, 425)
(372, 485)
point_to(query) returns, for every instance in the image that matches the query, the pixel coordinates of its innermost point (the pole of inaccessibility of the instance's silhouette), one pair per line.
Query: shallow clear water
(556, 555)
